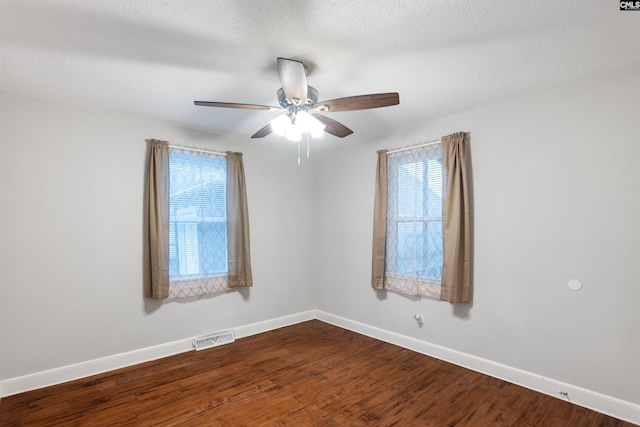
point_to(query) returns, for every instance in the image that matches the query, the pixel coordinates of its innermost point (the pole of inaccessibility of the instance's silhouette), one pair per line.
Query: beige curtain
(379, 223)
(237, 223)
(456, 268)
(157, 221)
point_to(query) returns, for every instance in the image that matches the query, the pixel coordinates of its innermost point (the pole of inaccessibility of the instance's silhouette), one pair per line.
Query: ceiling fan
(299, 103)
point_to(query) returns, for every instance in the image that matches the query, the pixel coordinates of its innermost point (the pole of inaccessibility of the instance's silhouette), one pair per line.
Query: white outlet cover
(574, 285)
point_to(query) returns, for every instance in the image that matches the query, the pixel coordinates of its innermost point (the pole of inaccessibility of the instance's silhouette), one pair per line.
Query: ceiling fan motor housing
(312, 99)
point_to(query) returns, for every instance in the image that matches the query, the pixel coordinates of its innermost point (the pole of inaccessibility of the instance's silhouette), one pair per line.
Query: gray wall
(556, 197)
(71, 233)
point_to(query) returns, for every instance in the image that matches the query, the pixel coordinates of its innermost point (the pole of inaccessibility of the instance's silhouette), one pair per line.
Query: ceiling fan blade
(236, 105)
(333, 127)
(293, 78)
(360, 102)
(263, 132)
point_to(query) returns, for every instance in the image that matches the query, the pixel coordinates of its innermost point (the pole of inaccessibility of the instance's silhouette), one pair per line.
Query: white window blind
(413, 261)
(197, 223)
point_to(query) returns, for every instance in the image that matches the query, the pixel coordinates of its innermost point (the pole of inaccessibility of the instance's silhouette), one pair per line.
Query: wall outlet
(418, 318)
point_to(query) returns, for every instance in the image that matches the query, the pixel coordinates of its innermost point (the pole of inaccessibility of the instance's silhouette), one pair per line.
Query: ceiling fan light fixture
(305, 122)
(281, 124)
(293, 134)
(317, 133)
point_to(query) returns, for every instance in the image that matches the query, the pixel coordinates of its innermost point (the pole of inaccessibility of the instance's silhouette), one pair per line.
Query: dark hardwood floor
(309, 374)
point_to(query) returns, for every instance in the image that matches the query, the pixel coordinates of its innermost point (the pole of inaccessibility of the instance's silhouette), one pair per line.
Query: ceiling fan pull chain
(307, 145)
(298, 152)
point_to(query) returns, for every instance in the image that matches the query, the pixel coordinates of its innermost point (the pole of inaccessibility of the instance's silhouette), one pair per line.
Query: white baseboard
(91, 367)
(104, 364)
(614, 407)
(271, 324)
(589, 399)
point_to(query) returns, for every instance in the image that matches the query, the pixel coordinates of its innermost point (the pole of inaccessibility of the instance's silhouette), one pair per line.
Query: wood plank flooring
(309, 374)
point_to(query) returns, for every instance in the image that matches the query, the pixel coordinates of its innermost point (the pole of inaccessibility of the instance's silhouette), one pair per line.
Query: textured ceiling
(154, 58)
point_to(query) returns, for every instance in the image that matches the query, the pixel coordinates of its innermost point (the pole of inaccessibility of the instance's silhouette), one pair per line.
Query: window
(413, 250)
(413, 261)
(192, 197)
(197, 223)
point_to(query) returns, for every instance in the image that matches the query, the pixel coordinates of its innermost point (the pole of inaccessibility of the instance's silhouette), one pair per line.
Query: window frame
(412, 283)
(197, 283)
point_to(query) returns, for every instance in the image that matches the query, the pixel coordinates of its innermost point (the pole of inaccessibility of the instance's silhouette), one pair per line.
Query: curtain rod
(197, 150)
(426, 144)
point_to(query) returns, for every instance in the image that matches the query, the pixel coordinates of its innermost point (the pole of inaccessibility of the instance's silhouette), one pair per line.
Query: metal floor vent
(213, 340)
